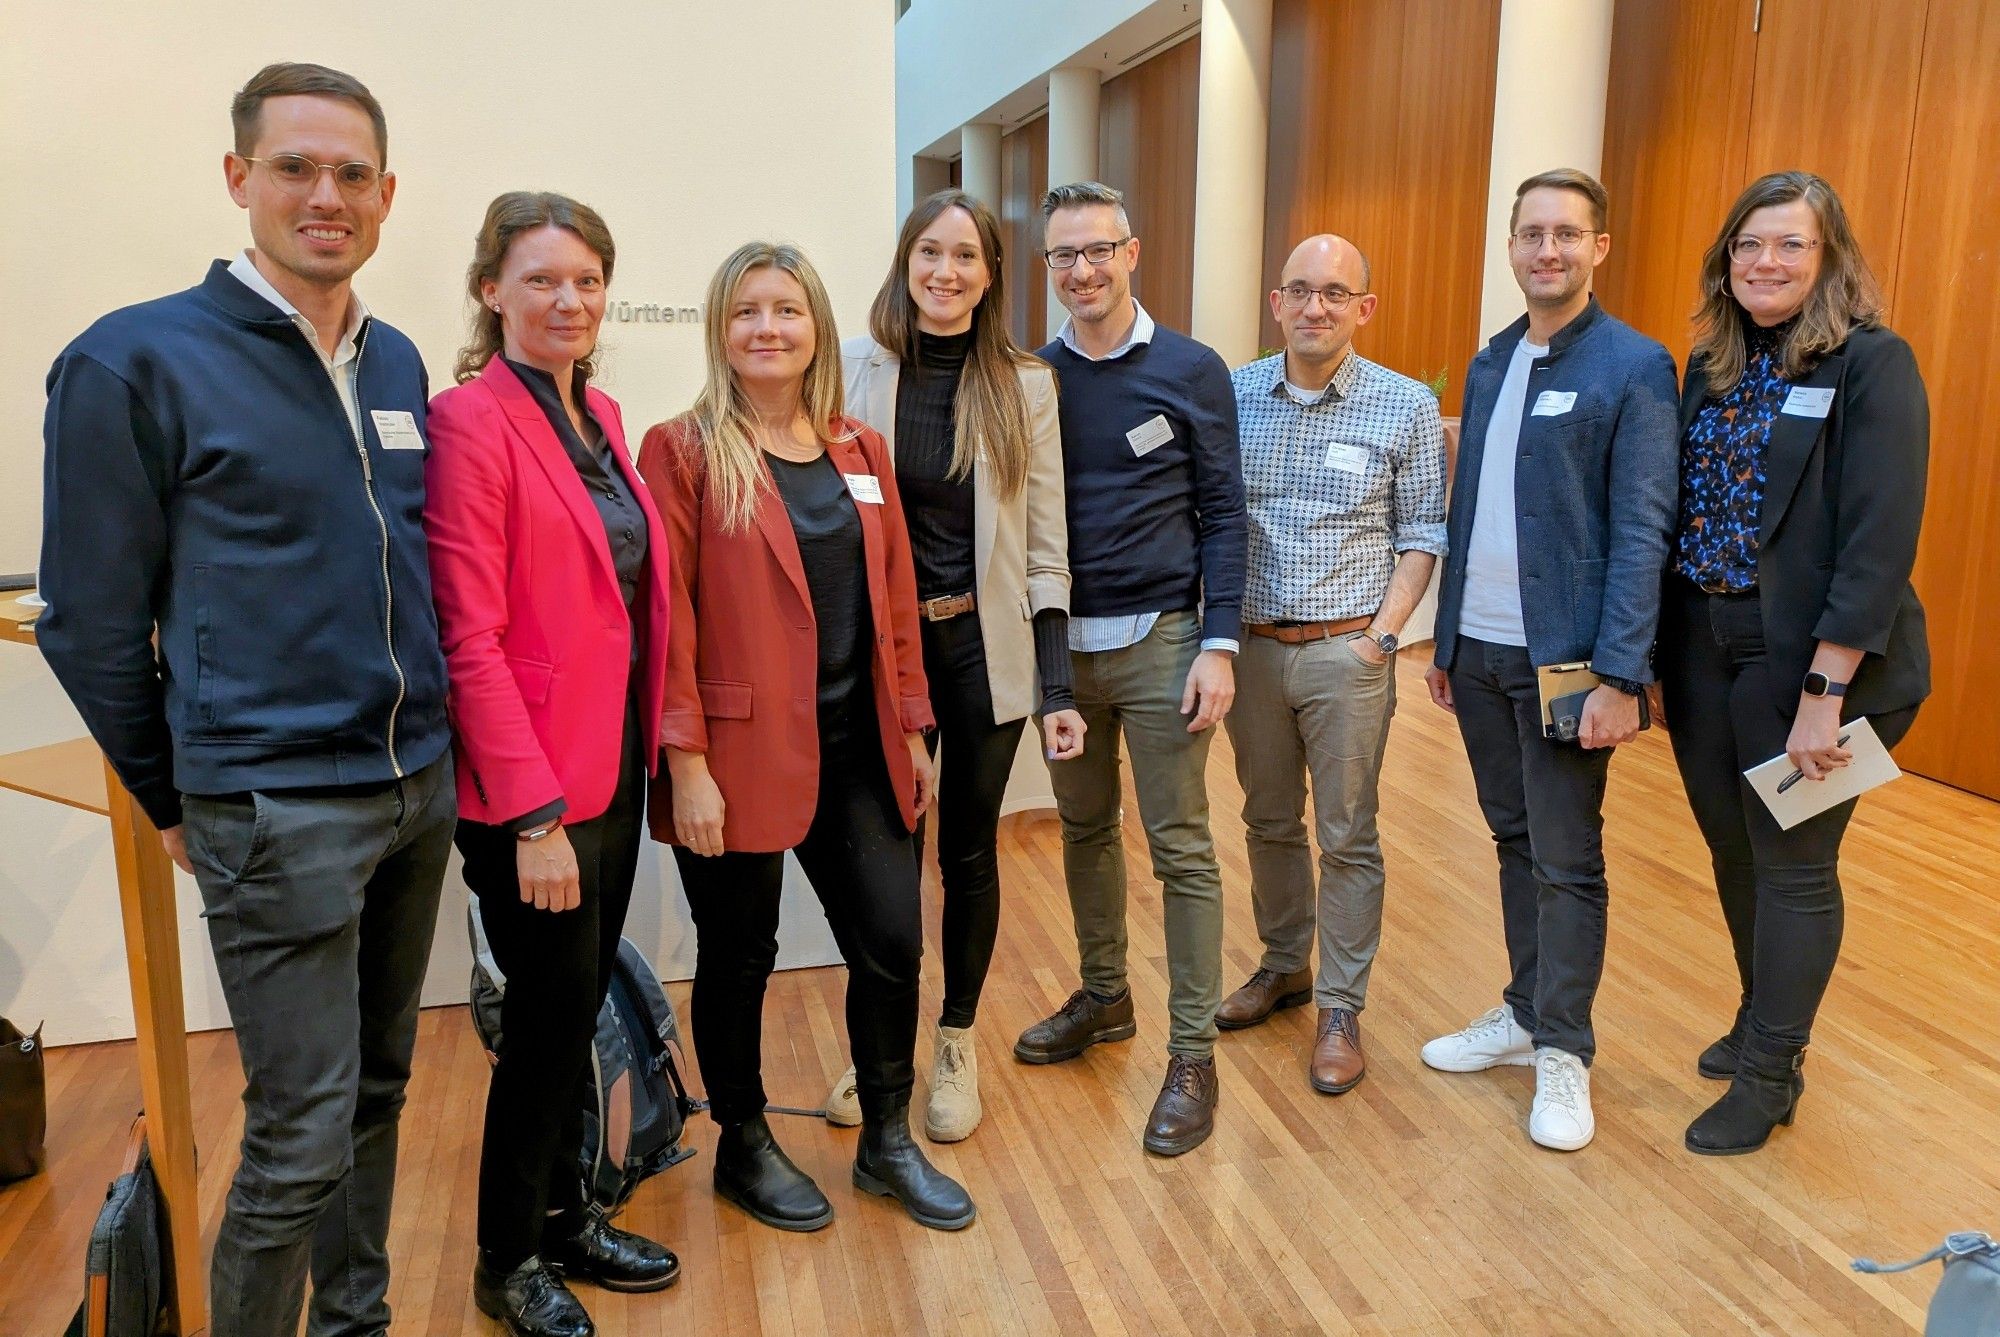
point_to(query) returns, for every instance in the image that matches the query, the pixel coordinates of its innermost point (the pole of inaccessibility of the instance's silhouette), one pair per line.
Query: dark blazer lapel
(1793, 438)
(532, 425)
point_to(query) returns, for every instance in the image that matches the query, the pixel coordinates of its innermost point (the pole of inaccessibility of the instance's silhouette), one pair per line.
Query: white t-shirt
(1490, 609)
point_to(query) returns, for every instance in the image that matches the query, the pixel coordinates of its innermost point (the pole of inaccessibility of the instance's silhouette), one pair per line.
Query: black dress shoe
(1762, 1096)
(753, 1172)
(531, 1301)
(889, 1163)
(614, 1259)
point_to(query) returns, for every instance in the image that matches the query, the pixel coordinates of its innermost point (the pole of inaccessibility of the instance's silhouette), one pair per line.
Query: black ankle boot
(1763, 1094)
(753, 1172)
(1719, 1059)
(888, 1163)
(589, 1248)
(530, 1300)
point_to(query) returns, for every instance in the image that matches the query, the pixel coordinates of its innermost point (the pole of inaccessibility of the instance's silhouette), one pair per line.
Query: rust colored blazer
(743, 660)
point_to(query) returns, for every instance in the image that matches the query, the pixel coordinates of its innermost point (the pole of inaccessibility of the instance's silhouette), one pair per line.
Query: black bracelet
(1625, 685)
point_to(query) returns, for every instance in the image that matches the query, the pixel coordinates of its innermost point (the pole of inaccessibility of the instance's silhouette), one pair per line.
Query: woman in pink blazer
(549, 567)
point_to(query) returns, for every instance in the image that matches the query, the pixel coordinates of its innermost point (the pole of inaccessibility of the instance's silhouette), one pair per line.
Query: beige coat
(1020, 545)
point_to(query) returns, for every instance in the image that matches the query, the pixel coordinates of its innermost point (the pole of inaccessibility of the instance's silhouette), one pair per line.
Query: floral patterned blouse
(1722, 470)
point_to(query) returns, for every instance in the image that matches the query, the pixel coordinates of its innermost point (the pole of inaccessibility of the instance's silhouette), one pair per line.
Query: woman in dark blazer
(795, 717)
(1789, 611)
(549, 567)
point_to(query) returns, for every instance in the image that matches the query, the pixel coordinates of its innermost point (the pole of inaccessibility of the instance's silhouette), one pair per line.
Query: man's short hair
(1566, 178)
(1083, 195)
(293, 79)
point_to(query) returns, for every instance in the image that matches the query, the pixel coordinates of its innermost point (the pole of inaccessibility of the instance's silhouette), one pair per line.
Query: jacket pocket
(532, 677)
(204, 647)
(723, 700)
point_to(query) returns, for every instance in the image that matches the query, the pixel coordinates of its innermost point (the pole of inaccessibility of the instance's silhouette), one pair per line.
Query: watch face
(1816, 683)
(1388, 644)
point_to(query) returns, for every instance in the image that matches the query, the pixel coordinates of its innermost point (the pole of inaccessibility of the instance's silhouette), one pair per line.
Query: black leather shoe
(753, 1172)
(1076, 1026)
(1762, 1096)
(1719, 1059)
(531, 1301)
(614, 1259)
(889, 1164)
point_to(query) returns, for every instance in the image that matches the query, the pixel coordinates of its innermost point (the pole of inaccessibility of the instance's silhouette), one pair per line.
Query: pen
(1797, 776)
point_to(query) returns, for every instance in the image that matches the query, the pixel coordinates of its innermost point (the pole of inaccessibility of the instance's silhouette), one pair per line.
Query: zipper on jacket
(382, 524)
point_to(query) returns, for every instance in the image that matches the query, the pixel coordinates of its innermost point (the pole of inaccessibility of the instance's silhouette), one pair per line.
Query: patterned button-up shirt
(1336, 487)
(1723, 457)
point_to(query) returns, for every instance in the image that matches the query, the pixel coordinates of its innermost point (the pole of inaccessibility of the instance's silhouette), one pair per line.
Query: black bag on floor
(24, 1112)
(123, 1274)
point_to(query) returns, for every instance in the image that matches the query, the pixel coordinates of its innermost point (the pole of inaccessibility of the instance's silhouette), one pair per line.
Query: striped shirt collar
(1142, 333)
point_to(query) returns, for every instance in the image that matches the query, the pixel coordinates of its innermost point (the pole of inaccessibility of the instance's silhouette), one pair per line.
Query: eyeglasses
(1567, 239)
(1744, 250)
(1098, 253)
(1295, 296)
(299, 174)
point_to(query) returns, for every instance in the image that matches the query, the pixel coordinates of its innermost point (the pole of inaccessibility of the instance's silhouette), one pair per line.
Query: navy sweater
(1164, 529)
(201, 477)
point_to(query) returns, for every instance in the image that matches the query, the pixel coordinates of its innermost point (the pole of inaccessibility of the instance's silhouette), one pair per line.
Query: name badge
(1550, 403)
(1805, 402)
(397, 431)
(1155, 431)
(865, 487)
(1346, 457)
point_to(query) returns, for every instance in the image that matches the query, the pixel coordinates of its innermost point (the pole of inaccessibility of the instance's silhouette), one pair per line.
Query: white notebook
(1802, 798)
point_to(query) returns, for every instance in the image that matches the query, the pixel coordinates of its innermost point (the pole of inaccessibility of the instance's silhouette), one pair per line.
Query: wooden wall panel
(1024, 179)
(1146, 137)
(1945, 286)
(1381, 131)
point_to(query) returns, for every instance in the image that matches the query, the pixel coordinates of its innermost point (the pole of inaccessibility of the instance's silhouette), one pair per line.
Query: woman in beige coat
(971, 423)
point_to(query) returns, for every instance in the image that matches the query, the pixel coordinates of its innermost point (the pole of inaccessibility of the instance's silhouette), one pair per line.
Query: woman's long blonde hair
(1845, 294)
(992, 413)
(732, 460)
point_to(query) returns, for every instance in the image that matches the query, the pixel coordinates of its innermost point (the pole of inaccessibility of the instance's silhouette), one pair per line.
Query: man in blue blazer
(1560, 518)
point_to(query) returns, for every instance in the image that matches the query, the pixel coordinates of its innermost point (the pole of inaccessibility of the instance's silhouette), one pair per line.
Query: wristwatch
(1385, 641)
(1818, 684)
(1629, 686)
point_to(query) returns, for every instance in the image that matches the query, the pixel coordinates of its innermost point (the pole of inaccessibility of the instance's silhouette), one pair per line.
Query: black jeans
(321, 908)
(1544, 802)
(978, 757)
(1780, 890)
(857, 854)
(558, 968)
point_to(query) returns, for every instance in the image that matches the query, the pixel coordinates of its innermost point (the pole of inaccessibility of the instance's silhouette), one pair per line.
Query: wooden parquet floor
(1414, 1204)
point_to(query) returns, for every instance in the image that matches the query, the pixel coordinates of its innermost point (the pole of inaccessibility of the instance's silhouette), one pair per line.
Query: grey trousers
(320, 909)
(1314, 709)
(1136, 692)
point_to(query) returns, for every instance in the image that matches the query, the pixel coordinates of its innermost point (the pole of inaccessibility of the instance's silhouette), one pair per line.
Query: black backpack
(635, 1104)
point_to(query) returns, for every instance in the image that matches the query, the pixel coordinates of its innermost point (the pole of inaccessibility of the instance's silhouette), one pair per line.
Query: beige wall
(113, 122)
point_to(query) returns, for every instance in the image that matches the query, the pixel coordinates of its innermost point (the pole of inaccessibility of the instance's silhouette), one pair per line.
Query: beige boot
(843, 1103)
(954, 1109)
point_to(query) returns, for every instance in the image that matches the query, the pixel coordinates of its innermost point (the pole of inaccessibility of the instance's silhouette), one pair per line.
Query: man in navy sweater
(238, 469)
(1156, 556)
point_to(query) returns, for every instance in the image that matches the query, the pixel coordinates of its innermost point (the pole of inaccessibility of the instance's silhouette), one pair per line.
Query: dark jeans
(1544, 802)
(1780, 890)
(321, 908)
(858, 856)
(978, 757)
(558, 968)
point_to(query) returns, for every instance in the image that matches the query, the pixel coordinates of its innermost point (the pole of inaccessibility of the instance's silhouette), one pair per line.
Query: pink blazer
(536, 637)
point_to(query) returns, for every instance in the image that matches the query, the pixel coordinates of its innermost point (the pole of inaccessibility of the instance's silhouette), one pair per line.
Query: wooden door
(1024, 179)
(1146, 132)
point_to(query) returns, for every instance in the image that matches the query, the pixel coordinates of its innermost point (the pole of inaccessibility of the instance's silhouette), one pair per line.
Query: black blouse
(828, 530)
(937, 509)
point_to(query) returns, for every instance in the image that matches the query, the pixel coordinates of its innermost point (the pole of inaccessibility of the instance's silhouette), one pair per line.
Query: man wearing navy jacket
(238, 469)
(1157, 540)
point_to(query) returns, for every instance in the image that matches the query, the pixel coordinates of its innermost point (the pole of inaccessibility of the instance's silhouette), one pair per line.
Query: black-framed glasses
(1567, 239)
(1334, 298)
(1790, 251)
(1097, 252)
(298, 174)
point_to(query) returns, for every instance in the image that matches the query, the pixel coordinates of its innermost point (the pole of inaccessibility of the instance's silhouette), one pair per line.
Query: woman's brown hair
(992, 413)
(509, 216)
(1844, 296)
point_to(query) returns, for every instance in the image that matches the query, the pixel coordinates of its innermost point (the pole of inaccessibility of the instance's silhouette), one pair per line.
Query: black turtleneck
(937, 509)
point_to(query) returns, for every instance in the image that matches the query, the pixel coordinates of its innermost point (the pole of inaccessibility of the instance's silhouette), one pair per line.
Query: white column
(927, 176)
(1233, 113)
(1072, 146)
(979, 162)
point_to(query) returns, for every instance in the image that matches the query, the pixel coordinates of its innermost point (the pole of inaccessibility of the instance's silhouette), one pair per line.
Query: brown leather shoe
(1266, 992)
(1337, 1060)
(1079, 1024)
(1184, 1114)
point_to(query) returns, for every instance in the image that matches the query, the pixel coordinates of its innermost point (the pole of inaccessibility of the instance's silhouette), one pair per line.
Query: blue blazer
(1595, 489)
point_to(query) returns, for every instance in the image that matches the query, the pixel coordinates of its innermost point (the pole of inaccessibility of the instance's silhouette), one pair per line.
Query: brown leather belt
(956, 605)
(1297, 633)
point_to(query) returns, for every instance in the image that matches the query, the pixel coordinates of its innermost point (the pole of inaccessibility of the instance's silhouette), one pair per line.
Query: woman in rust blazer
(795, 711)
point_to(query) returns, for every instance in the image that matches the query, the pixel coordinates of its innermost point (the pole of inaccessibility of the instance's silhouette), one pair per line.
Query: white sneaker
(1561, 1119)
(843, 1103)
(954, 1109)
(1495, 1040)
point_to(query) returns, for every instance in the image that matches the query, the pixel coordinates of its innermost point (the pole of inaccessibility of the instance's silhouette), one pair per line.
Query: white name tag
(1805, 402)
(1346, 457)
(1156, 431)
(1550, 403)
(398, 431)
(865, 487)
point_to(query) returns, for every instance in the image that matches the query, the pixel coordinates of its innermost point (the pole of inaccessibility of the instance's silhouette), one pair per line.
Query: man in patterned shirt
(1343, 471)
